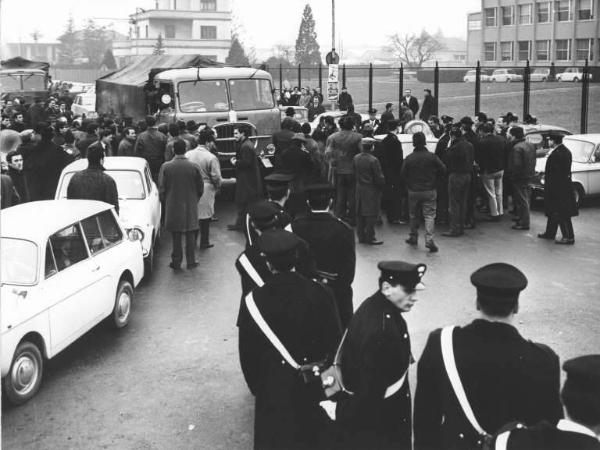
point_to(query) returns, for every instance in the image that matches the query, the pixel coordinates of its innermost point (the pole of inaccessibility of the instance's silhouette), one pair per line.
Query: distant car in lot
(66, 266)
(585, 150)
(505, 76)
(471, 75)
(85, 104)
(574, 74)
(139, 204)
(411, 128)
(539, 75)
(538, 136)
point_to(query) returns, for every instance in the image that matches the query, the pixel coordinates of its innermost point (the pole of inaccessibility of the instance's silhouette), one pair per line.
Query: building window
(169, 31)
(563, 10)
(208, 32)
(489, 51)
(508, 15)
(585, 49)
(474, 25)
(543, 12)
(542, 50)
(490, 17)
(524, 50)
(563, 49)
(585, 10)
(506, 51)
(524, 14)
(208, 5)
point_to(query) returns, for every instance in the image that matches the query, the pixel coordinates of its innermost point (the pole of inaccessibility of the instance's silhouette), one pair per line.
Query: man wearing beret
(331, 243)
(302, 316)
(374, 411)
(503, 377)
(581, 429)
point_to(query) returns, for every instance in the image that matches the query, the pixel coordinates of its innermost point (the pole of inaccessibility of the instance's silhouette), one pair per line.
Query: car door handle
(96, 269)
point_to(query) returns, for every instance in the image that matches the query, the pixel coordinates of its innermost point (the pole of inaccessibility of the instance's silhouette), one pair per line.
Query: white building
(199, 27)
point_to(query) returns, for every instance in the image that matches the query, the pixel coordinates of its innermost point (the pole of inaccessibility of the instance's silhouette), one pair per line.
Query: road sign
(333, 82)
(332, 57)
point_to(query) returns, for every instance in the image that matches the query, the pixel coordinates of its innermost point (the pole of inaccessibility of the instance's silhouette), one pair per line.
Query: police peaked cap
(403, 273)
(279, 179)
(279, 246)
(501, 281)
(583, 375)
(262, 211)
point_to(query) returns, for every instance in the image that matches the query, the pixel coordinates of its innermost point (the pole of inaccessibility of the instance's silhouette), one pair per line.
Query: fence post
(436, 88)
(299, 76)
(370, 86)
(320, 78)
(477, 88)
(526, 89)
(400, 84)
(585, 86)
(280, 79)
(343, 75)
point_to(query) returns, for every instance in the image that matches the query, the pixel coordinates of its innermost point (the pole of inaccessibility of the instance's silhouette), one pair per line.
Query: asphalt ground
(171, 379)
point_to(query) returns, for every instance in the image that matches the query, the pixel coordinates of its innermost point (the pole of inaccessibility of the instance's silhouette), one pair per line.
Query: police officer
(302, 316)
(504, 376)
(581, 429)
(376, 354)
(331, 243)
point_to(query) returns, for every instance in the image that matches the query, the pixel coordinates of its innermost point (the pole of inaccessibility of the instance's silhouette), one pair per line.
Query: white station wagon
(139, 203)
(66, 265)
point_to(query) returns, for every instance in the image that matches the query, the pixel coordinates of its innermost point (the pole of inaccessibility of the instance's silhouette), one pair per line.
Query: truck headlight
(135, 234)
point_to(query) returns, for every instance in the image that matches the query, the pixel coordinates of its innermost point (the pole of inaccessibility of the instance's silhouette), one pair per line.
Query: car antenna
(261, 67)
(197, 75)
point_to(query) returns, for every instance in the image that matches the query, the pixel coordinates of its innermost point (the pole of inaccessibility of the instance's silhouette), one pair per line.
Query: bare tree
(414, 50)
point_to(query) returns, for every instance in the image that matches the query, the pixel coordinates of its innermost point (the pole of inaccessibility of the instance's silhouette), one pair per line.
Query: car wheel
(122, 309)
(575, 80)
(508, 80)
(25, 375)
(149, 262)
(578, 193)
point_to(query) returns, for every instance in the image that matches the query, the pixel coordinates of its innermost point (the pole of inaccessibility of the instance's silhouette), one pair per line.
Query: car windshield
(251, 94)
(203, 96)
(19, 261)
(130, 185)
(33, 82)
(581, 151)
(10, 83)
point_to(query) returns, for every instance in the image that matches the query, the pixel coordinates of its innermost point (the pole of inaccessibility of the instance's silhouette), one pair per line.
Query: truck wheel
(25, 375)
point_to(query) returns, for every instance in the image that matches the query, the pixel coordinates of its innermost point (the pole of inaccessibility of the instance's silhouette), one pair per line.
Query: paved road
(171, 380)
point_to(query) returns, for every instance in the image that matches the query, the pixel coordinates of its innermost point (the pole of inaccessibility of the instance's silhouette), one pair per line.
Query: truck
(25, 79)
(174, 88)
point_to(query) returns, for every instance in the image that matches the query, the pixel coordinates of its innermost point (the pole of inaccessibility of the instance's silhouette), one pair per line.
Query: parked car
(300, 113)
(411, 128)
(471, 74)
(585, 150)
(538, 136)
(336, 117)
(85, 104)
(574, 74)
(539, 74)
(505, 76)
(66, 266)
(139, 204)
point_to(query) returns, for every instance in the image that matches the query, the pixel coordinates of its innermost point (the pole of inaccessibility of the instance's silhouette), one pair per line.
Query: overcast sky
(265, 23)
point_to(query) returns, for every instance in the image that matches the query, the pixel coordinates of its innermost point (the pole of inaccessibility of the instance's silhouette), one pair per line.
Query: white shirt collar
(568, 425)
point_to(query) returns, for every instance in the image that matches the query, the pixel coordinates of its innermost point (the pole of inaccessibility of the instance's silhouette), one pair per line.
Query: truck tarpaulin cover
(122, 92)
(22, 63)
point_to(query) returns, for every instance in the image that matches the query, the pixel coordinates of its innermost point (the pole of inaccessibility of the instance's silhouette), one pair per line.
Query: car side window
(597, 154)
(111, 233)
(50, 263)
(93, 237)
(68, 247)
(536, 139)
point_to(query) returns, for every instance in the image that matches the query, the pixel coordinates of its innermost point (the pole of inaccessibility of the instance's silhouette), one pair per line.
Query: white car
(574, 74)
(585, 168)
(471, 75)
(337, 114)
(139, 203)
(411, 128)
(505, 76)
(539, 74)
(85, 104)
(66, 265)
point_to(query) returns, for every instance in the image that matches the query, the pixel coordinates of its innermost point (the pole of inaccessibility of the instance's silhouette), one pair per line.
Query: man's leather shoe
(565, 241)
(174, 266)
(520, 227)
(451, 234)
(374, 242)
(432, 247)
(205, 246)
(411, 241)
(192, 265)
(545, 236)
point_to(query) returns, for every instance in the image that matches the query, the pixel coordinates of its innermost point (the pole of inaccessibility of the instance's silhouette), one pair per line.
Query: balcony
(172, 43)
(180, 14)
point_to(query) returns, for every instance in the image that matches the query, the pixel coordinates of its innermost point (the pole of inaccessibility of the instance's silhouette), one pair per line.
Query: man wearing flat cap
(372, 120)
(374, 411)
(301, 315)
(472, 380)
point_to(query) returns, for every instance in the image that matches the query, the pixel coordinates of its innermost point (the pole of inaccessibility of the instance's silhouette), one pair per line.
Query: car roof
(592, 137)
(110, 163)
(528, 128)
(191, 74)
(23, 221)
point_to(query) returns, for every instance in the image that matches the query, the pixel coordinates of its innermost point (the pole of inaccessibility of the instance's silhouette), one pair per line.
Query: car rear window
(130, 185)
(581, 151)
(19, 261)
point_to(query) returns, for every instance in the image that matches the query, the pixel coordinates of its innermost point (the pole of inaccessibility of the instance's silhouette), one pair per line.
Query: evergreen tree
(159, 47)
(307, 48)
(237, 56)
(95, 43)
(68, 51)
(109, 60)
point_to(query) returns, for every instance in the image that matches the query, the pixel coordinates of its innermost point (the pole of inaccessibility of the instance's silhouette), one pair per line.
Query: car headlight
(542, 180)
(135, 234)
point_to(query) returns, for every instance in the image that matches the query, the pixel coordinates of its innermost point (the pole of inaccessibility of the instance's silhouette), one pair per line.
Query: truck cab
(24, 83)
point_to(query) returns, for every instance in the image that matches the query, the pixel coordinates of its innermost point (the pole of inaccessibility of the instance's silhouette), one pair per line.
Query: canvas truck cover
(22, 63)
(122, 93)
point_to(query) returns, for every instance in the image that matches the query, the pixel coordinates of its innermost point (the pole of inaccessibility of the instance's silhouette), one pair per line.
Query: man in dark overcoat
(505, 376)
(180, 186)
(151, 145)
(331, 243)
(375, 413)
(410, 101)
(559, 197)
(393, 157)
(369, 189)
(428, 107)
(301, 313)
(248, 186)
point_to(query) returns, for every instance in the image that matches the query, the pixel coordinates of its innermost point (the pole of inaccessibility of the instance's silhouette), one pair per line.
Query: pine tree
(109, 60)
(159, 47)
(237, 56)
(68, 51)
(95, 43)
(307, 48)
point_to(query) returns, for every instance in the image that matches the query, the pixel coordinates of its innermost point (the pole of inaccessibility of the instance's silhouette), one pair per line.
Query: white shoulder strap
(450, 365)
(250, 270)
(392, 389)
(502, 441)
(264, 326)
(248, 232)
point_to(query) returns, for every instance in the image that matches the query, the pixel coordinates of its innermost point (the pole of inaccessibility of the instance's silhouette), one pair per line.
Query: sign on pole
(333, 82)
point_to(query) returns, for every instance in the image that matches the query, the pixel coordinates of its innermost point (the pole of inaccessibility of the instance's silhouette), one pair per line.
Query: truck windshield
(19, 261)
(10, 83)
(34, 82)
(203, 96)
(251, 94)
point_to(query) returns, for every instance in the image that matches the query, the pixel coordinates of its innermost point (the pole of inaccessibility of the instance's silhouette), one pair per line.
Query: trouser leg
(340, 198)
(551, 226)
(498, 192)
(566, 228)
(429, 211)
(521, 197)
(413, 214)
(463, 192)
(190, 247)
(454, 203)
(351, 189)
(177, 251)
(360, 228)
(370, 228)
(204, 232)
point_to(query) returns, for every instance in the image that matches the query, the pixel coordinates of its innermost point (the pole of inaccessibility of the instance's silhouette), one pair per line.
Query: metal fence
(539, 90)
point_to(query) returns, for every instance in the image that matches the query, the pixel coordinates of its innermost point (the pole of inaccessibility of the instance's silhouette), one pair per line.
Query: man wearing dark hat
(472, 138)
(410, 102)
(372, 120)
(581, 429)
(428, 109)
(472, 380)
(296, 161)
(393, 158)
(387, 115)
(521, 163)
(151, 145)
(288, 328)
(374, 411)
(344, 99)
(331, 243)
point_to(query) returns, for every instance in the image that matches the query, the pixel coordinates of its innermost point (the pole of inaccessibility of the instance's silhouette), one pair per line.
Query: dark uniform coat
(506, 378)
(545, 436)
(248, 186)
(376, 354)
(9, 195)
(559, 198)
(331, 243)
(181, 186)
(151, 145)
(303, 316)
(93, 184)
(369, 184)
(428, 108)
